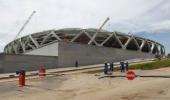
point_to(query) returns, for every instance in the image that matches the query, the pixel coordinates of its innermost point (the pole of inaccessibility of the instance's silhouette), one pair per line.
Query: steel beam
(34, 41)
(75, 37)
(45, 39)
(91, 38)
(94, 36)
(55, 35)
(111, 35)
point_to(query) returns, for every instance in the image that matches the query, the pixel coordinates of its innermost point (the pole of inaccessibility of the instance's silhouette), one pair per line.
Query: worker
(111, 66)
(122, 68)
(105, 68)
(76, 63)
(127, 66)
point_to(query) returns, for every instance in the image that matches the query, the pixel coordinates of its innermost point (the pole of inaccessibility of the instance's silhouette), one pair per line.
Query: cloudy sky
(134, 16)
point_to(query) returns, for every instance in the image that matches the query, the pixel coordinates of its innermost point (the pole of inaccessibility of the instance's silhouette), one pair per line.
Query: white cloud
(162, 26)
(155, 18)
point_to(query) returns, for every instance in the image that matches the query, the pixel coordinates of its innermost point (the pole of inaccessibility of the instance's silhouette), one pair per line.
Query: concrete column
(118, 40)
(127, 42)
(22, 45)
(142, 45)
(152, 47)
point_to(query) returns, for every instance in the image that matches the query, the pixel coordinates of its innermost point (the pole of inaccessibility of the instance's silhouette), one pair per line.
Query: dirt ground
(81, 86)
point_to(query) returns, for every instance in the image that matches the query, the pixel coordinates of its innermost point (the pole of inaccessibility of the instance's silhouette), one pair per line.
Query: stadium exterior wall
(90, 54)
(12, 63)
(68, 53)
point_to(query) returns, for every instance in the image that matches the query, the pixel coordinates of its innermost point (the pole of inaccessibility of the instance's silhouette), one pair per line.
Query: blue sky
(135, 16)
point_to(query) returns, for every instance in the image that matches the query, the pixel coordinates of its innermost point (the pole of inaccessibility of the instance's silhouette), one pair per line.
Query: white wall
(48, 50)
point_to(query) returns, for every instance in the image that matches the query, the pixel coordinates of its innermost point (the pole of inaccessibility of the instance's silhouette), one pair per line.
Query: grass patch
(144, 66)
(93, 71)
(151, 65)
(99, 71)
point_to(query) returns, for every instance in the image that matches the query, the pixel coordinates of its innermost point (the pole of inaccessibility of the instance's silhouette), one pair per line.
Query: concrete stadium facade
(66, 46)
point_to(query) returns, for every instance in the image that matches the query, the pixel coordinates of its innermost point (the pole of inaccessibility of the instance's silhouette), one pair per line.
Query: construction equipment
(26, 22)
(94, 36)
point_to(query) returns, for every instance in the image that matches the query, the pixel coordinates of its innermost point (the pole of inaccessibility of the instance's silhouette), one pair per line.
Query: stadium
(86, 46)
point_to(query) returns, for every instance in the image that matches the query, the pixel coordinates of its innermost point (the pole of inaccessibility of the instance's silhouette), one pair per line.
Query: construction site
(83, 63)
(64, 47)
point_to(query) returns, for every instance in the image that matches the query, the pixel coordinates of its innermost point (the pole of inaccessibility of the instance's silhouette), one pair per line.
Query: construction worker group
(109, 67)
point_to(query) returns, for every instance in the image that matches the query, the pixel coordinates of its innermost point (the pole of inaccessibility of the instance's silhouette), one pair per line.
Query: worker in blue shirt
(127, 66)
(105, 68)
(111, 66)
(122, 67)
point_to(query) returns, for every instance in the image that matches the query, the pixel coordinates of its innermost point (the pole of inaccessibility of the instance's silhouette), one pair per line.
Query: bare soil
(81, 86)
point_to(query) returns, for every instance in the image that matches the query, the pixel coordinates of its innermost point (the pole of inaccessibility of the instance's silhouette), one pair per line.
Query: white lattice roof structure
(84, 36)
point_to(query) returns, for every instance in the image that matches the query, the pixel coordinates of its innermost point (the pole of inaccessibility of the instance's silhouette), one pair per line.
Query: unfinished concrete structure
(85, 46)
(83, 36)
